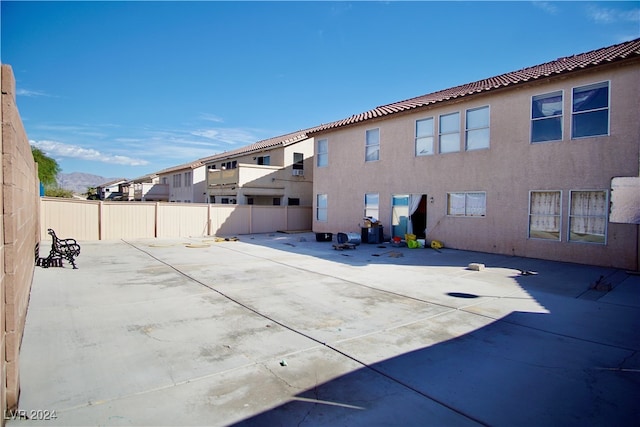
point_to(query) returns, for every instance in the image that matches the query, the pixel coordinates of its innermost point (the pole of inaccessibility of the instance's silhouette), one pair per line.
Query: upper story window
(188, 178)
(264, 160)
(322, 153)
(230, 165)
(477, 128)
(177, 180)
(546, 117)
(424, 137)
(211, 167)
(590, 110)
(298, 161)
(372, 205)
(372, 148)
(449, 133)
(165, 180)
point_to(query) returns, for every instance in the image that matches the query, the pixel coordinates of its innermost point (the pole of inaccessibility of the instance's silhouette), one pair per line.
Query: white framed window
(372, 145)
(467, 204)
(322, 153)
(449, 132)
(424, 137)
(546, 117)
(590, 110)
(588, 216)
(188, 178)
(264, 160)
(545, 210)
(230, 165)
(372, 205)
(477, 128)
(177, 180)
(321, 207)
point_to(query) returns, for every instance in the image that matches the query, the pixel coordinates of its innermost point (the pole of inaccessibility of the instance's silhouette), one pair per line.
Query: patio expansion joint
(327, 345)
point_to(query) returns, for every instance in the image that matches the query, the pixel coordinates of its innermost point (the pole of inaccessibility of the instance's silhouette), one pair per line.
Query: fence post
(100, 222)
(156, 219)
(286, 217)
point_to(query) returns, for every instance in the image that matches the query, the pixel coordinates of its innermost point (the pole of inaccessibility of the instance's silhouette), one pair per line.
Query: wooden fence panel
(70, 218)
(265, 219)
(127, 220)
(97, 220)
(182, 220)
(230, 220)
(299, 218)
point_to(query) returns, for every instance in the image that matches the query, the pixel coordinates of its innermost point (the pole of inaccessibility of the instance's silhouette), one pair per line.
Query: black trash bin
(372, 234)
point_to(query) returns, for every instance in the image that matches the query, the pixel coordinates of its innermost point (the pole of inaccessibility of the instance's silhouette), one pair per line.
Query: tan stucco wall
(263, 183)
(507, 171)
(20, 209)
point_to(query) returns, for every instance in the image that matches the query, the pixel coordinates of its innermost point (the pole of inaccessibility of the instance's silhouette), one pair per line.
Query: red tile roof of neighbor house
(568, 64)
(191, 165)
(282, 140)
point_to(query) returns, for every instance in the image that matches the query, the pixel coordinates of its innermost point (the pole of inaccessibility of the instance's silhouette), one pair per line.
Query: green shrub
(58, 192)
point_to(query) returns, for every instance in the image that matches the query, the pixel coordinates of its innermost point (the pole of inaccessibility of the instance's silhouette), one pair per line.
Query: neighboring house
(186, 183)
(518, 164)
(275, 171)
(149, 189)
(112, 190)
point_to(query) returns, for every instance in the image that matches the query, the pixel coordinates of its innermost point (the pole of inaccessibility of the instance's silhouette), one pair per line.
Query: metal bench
(68, 249)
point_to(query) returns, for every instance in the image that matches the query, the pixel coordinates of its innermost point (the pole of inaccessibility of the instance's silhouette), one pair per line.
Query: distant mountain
(78, 182)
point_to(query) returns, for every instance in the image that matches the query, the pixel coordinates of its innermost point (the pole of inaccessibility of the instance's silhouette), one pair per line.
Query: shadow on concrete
(524, 369)
(574, 363)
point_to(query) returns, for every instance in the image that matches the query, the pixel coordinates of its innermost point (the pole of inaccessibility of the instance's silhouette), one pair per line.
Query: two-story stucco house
(275, 171)
(186, 183)
(519, 164)
(112, 190)
(148, 188)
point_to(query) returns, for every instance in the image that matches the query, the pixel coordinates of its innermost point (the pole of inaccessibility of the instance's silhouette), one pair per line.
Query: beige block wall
(20, 209)
(507, 171)
(3, 365)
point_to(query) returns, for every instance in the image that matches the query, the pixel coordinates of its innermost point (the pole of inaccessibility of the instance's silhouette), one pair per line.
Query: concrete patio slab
(278, 329)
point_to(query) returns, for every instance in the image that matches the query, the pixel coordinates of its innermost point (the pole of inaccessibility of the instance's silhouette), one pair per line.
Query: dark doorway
(419, 218)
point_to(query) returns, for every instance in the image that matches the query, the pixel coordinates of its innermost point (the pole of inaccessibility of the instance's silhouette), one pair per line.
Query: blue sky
(123, 89)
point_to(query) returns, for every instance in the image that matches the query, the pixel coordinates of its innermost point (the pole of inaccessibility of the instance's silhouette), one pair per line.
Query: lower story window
(372, 205)
(588, 216)
(467, 204)
(544, 214)
(321, 207)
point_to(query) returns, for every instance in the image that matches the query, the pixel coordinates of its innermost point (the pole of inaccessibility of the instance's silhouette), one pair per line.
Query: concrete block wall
(19, 229)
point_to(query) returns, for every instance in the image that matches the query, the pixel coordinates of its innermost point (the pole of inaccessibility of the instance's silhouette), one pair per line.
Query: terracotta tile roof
(191, 165)
(564, 65)
(113, 182)
(282, 140)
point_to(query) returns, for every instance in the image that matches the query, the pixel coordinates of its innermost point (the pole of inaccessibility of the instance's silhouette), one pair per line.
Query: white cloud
(546, 6)
(59, 149)
(609, 15)
(227, 135)
(30, 93)
(138, 146)
(210, 117)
